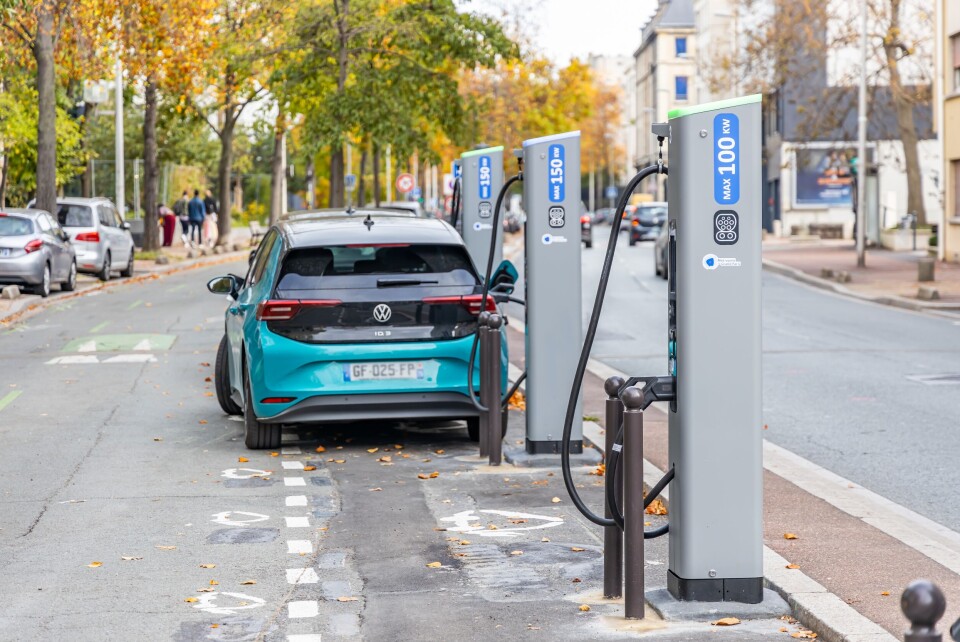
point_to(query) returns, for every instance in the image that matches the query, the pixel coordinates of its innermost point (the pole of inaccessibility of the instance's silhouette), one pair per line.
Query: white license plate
(4, 252)
(382, 370)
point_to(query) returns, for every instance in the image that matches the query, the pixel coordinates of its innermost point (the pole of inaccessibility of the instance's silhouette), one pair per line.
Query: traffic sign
(415, 192)
(448, 180)
(611, 191)
(405, 183)
(350, 182)
(456, 169)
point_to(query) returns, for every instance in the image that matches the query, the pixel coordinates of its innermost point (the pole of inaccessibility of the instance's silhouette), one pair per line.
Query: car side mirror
(228, 285)
(504, 278)
(126, 226)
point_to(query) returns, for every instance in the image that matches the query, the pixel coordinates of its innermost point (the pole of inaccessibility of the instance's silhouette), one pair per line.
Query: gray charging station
(551, 198)
(715, 439)
(481, 177)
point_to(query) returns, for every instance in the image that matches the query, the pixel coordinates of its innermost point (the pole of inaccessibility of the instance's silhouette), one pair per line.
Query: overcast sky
(564, 29)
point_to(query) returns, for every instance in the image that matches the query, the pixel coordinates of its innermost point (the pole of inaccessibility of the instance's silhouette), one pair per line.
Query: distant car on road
(603, 215)
(102, 239)
(586, 231)
(35, 252)
(408, 206)
(366, 315)
(660, 250)
(646, 221)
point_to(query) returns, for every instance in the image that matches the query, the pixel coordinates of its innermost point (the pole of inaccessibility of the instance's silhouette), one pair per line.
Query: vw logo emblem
(382, 313)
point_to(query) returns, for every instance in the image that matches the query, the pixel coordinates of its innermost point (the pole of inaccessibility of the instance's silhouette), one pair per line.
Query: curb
(25, 308)
(824, 284)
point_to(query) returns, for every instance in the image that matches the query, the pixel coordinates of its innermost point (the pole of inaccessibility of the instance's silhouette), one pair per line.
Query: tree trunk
(276, 172)
(86, 178)
(376, 175)
(47, 106)
(311, 176)
(905, 124)
(223, 176)
(336, 176)
(361, 184)
(151, 233)
(3, 180)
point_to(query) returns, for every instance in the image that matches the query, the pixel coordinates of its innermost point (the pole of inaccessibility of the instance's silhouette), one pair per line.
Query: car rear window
(651, 213)
(15, 226)
(75, 216)
(344, 266)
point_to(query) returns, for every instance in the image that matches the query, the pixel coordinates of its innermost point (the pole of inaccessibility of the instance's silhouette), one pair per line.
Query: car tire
(473, 426)
(259, 436)
(44, 288)
(127, 272)
(221, 381)
(104, 274)
(71, 283)
(588, 244)
(656, 265)
(632, 241)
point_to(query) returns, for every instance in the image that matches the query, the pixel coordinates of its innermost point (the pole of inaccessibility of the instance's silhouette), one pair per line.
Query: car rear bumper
(645, 233)
(386, 406)
(88, 260)
(23, 270)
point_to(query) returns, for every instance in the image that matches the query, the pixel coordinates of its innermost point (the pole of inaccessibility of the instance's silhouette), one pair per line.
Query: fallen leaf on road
(804, 635)
(339, 461)
(726, 621)
(208, 379)
(126, 558)
(375, 490)
(321, 449)
(793, 566)
(463, 542)
(518, 521)
(214, 583)
(208, 566)
(347, 599)
(214, 626)
(783, 629)
(544, 539)
(309, 467)
(885, 593)
(372, 450)
(516, 552)
(576, 580)
(274, 454)
(790, 536)
(599, 471)
(158, 438)
(242, 460)
(427, 460)
(191, 599)
(205, 364)
(584, 607)
(648, 523)
(248, 582)
(208, 394)
(434, 565)
(555, 500)
(656, 507)
(434, 475)
(423, 476)
(202, 421)
(491, 527)
(577, 549)
(440, 451)
(386, 459)
(206, 590)
(95, 564)
(166, 548)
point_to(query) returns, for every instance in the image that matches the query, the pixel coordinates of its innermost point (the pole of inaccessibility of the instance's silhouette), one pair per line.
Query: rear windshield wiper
(392, 283)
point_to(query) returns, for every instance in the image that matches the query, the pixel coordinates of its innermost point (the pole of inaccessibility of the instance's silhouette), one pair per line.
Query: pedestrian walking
(180, 209)
(196, 211)
(210, 220)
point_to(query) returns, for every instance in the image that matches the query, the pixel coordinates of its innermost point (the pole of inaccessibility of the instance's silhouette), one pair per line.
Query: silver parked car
(35, 251)
(102, 239)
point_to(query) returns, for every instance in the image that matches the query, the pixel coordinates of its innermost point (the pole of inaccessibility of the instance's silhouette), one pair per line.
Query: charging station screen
(486, 177)
(726, 159)
(558, 173)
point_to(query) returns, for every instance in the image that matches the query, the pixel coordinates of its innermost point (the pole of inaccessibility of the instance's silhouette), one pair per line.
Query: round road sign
(405, 183)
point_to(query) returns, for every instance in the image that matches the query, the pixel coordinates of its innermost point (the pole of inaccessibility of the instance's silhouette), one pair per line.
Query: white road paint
(299, 546)
(304, 637)
(292, 465)
(297, 500)
(469, 522)
(208, 602)
(144, 345)
(305, 608)
(287, 436)
(89, 346)
(131, 358)
(238, 518)
(297, 522)
(244, 473)
(73, 360)
(291, 450)
(302, 576)
(294, 481)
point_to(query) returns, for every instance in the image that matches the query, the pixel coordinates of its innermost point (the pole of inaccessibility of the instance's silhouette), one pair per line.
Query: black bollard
(923, 605)
(482, 330)
(612, 535)
(494, 394)
(633, 513)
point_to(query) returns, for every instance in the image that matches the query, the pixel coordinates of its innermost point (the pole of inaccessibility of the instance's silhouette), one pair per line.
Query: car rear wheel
(128, 271)
(104, 273)
(221, 380)
(633, 240)
(473, 426)
(71, 283)
(259, 435)
(44, 288)
(589, 244)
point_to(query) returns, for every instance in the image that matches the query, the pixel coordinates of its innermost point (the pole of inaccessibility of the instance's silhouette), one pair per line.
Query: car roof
(20, 211)
(346, 227)
(80, 200)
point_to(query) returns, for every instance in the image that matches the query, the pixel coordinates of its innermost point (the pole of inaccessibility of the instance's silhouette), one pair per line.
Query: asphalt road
(838, 376)
(132, 511)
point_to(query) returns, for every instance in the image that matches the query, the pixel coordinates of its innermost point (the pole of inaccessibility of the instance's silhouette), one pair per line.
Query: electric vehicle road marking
(465, 522)
(9, 398)
(207, 603)
(226, 518)
(250, 473)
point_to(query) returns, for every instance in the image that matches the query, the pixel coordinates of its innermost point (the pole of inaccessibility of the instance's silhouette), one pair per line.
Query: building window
(680, 90)
(955, 47)
(955, 167)
(681, 44)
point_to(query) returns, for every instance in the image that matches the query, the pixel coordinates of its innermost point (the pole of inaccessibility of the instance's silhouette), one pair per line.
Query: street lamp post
(118, 138)
(862, 140)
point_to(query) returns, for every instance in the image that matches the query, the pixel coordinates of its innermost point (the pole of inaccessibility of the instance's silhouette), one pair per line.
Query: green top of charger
(720, 104)
(485, 150)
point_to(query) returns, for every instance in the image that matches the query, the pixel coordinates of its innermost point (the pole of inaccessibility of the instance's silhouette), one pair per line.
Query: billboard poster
(823, 177)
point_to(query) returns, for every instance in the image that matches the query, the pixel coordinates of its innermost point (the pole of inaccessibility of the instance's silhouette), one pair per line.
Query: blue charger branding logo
(558, 174)
(486, 177)
(726, 159)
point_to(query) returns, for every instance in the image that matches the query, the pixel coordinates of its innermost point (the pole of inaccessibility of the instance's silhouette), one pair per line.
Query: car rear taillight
(635, 223)
(88, 237)
(473, 303)
(584, 219)
(33, 246)
(277, 399)
(282, 310)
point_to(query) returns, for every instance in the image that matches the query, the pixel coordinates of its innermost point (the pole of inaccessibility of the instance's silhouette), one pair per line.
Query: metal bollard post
(612, 535)
(923, 605)
(482, 331)
(633, 514)
(494, 394)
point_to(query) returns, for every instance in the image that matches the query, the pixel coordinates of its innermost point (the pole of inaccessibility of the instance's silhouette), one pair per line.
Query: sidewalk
(890, 277)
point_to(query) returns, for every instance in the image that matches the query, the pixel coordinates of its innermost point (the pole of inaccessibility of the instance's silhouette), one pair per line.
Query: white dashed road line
(291, 450)
(292, 465)
(297, 522)
(299, 546)
(305, 608)
(304, 637)
(294, 481)
(302, 576)
(297, 500)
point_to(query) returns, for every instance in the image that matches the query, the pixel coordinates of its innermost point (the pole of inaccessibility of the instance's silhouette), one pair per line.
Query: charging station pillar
(481, 177)
(551, 198)
(715, 442)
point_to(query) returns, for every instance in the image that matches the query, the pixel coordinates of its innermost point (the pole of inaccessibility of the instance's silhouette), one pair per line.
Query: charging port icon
(726, 227)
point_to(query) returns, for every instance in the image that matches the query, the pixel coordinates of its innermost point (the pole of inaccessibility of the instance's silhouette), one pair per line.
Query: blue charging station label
(486, 177)
(558, 173)
(455, 169)
(726, 159)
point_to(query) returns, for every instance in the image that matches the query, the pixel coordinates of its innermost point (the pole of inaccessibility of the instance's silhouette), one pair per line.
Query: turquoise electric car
(351, 315)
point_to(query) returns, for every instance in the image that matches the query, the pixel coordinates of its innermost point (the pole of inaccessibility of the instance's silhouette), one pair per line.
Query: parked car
(511, 222)
(102, 239)
(412, 207)
(586, 231)
(35, 252)
(660, 251)
(646, 221)
(603, 215)
(364, 316)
